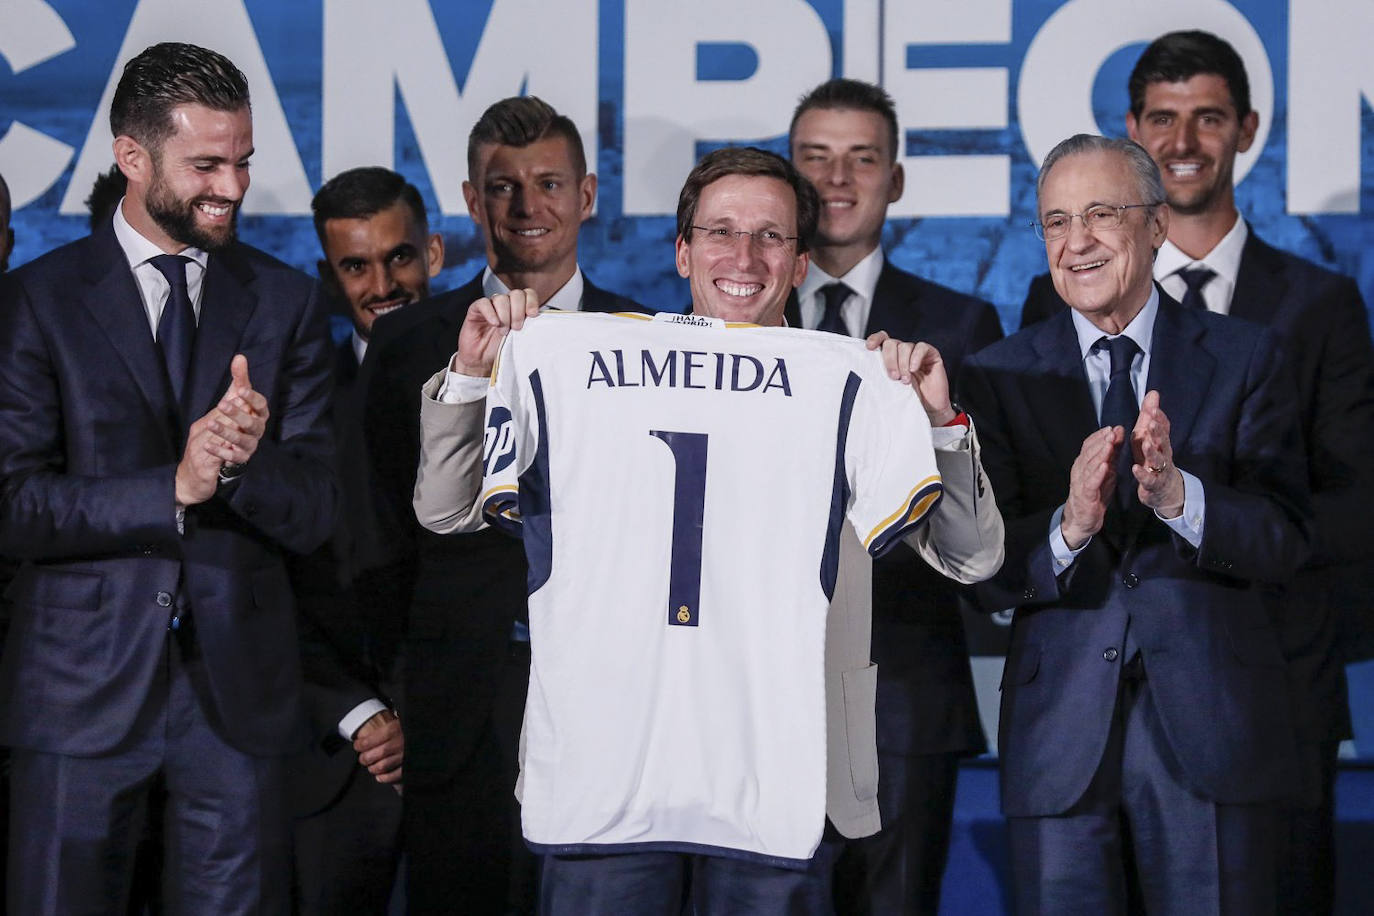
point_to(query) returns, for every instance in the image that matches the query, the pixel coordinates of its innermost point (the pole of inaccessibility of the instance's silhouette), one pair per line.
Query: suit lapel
(791, 312)
(226, 304)
(895, 307)
(1180, 368)
(1260, 284)
(114, 302)
(1063, 408)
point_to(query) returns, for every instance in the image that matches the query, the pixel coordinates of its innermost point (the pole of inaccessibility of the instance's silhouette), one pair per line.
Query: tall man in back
(1190, 109)
(467, 650)
(844, 139)
(379, 256)
(150, 485)
(1148, 461)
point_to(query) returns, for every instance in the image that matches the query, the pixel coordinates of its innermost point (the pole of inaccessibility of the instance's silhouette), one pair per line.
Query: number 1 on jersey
(689, 510)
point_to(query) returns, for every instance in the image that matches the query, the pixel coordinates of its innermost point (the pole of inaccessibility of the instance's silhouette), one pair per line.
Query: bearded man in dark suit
(150, 487)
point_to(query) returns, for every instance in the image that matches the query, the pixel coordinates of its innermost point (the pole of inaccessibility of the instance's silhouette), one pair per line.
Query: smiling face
(188, 190)
(846, 154)
(381, 262)
(530, 202)
(741, 280)
(1104, 275)
(1193, 133)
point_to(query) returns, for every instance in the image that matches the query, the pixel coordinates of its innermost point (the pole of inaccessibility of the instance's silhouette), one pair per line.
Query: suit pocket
(73, 591)
(1021, 667)
(860, 699)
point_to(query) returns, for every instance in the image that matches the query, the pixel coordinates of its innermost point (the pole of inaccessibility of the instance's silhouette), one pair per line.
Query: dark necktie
(835, 294)
(1196, 278)
(176, 329)
(1120, 408)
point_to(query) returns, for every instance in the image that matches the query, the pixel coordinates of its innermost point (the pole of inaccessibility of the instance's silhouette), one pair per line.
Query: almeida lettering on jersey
(687, 369)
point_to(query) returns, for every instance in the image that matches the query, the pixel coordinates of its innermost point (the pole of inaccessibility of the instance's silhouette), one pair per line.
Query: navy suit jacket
(468, 588)
(89, 443)
(1323, 328)
(926, 701)
(1199, 616)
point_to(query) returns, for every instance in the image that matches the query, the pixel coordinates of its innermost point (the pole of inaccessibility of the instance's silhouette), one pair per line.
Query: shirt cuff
(349, 724)
(461, 389)
(949, 438)
(1061, 555)
(1189, 525)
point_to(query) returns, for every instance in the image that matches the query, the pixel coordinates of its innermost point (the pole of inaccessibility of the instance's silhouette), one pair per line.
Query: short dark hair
(752, 161)
(106, 191)
(849, 95)
(1179, 56)
(165, 76)
(363, 192)
(520, 121)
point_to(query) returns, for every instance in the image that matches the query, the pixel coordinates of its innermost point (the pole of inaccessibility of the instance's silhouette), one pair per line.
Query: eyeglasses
(1098, 218)
(764, 239)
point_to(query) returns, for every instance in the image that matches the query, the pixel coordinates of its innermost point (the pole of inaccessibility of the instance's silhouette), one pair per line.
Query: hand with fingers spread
(380, 744)
(486, 324)
(1160, 483)
(1092, 481)
(921, 366)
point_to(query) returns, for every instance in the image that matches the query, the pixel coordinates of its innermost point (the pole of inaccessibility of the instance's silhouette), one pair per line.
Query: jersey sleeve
(508, 438)
(889, 460)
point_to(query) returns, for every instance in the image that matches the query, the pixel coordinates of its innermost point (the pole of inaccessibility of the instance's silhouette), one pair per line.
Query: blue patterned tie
(176, 329)
(1195, 278)
(835, 295)
(1120, 408)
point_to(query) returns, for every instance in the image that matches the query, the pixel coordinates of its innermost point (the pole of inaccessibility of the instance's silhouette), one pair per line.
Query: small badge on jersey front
(695, 321)
(684, 615)
(498, 441)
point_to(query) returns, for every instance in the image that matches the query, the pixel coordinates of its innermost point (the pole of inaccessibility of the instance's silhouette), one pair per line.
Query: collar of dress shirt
(567, 299)
(862, 279)
(1141, 329)
(138, 250)
(359, 346)
(1224, 259)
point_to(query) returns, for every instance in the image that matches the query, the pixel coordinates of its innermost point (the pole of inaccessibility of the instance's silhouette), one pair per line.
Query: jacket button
(1109, 653)
(1130, 580)
(164, 599)
(1028, 594)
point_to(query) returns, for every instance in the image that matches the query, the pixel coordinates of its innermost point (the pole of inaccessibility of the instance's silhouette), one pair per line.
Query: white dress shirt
(1223, 260)
(862, 279)
(152, 285)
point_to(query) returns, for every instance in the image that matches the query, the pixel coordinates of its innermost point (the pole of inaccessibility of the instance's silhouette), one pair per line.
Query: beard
(176, 216)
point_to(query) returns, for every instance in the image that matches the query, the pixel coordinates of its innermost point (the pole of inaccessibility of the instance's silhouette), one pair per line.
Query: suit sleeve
(46, 512)
(449, 478)
(1341, 437)
(964, 539)
(288, 490)
(1258, 526)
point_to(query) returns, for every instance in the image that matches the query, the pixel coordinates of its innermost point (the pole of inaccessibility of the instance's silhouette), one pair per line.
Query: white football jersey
(680, 485)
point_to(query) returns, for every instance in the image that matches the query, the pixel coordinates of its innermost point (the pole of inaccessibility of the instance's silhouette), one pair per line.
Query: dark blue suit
(465, 680)
(1200, 617)
(927, 712)
(89, 441)
(1328, 609)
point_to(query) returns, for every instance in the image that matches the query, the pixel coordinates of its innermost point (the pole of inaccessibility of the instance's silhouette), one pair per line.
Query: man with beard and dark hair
(150, 487)
(467, 646)
(1190, 109)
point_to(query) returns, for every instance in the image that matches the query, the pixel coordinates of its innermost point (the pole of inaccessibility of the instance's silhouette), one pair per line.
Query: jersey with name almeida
(680, 485)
